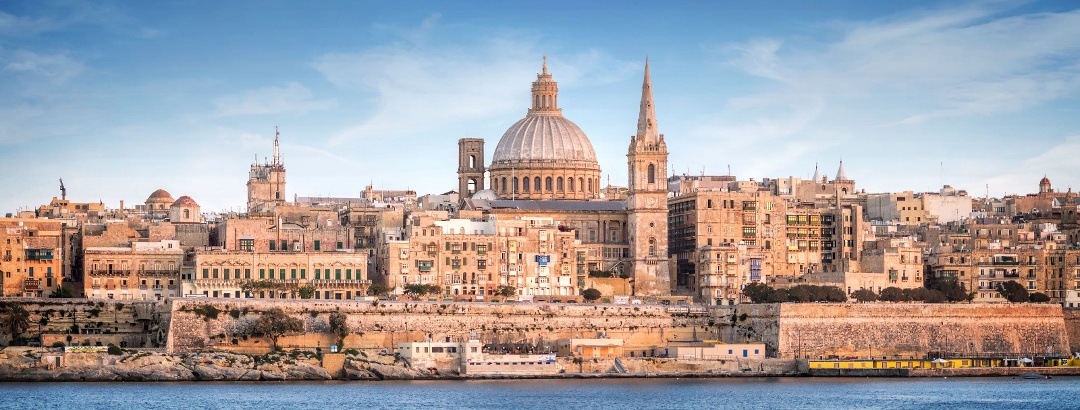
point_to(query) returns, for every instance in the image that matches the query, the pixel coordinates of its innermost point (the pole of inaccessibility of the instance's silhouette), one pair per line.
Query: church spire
(277, 153)
(646, 125)
(840, 174)
(817, 175)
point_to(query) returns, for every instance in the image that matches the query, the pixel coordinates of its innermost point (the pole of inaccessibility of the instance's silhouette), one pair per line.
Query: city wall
(384, 324)
(902, 329)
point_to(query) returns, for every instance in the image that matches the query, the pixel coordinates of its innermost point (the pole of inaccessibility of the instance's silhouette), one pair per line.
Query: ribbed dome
(544, 137)
(185, 201)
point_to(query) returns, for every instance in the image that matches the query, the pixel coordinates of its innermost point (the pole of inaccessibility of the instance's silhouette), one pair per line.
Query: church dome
(485, 194)
(159, 196)
(185, 201)
(544, 137)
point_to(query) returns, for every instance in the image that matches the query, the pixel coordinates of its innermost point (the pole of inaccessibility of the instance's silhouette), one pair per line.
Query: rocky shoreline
(38, 364)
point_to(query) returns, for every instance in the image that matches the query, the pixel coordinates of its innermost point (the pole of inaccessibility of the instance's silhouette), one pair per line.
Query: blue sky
(120, 99)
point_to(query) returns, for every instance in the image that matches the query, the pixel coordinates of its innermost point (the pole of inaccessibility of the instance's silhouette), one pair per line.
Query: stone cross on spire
(277, 153)
(646, 125)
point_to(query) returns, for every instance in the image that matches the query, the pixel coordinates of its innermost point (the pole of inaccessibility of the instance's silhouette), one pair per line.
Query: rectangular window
(247, 245)
(337, 274)
(273, 246)
(317, 272)
(292, 274)
(262, 273)
(247, 273)
(206, 273)
(318, 245)
(340, 245)
(303, 273)
(281, 274)
(348, 274)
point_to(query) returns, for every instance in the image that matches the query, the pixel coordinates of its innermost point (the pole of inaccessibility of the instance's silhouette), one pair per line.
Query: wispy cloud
(418, 86)
(11, 24)
(55, 68)
(291, 98)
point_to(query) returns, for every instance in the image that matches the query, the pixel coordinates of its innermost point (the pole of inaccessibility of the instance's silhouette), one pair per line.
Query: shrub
(115, 350)
(207, 312)
(58, 344)
(590, 294)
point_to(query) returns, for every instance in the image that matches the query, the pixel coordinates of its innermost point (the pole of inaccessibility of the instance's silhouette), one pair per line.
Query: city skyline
(120, 101)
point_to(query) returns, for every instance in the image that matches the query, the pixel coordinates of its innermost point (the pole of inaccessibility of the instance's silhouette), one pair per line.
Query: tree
(506, 291)
(275, 323)
(62, 291)
(1038, 297)
(306, 291)
(952, 290)
(417, 289)
(1013, 291)
(893, 294)
(14, 319)
(378, 290)
(864, 295)
(339, 324)
(591, 294)
(757, 292)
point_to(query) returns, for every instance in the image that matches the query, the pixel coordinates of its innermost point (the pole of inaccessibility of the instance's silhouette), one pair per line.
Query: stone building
(31, 256)
(278, 275)
(138, 271)
(266, 183)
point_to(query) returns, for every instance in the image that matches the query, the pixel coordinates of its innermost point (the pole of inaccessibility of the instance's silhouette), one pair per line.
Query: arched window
(472, 161)
(187, 214)
(536, 184)
(515, 185)
(503, 185)
(652, 174)
(558, 184)
(571, 182)
(581, 184)
(592, 185)
(544, 99)
(537, 104)
(547, 184)
(524, 184)
(652, 247)
(472, 185)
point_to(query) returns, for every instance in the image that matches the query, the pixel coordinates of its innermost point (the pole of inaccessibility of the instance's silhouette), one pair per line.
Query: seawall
(916, 329)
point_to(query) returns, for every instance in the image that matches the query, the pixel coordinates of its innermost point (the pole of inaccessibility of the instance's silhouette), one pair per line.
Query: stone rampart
(788, 330)
(384, 324)
(1072, 326)
(916, 329)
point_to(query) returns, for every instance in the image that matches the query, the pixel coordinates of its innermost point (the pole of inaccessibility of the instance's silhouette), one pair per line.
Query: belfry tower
(647, 159)
(470, 166)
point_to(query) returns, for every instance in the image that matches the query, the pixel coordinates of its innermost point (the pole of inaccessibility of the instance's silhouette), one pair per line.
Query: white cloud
(292, 98)
(52, 68)
(21, 25)
(420, 87)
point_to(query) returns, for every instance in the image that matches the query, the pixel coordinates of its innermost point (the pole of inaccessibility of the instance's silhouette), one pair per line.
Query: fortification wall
(384, 324)
(915, 329)
(1072, 326)
(92, 322)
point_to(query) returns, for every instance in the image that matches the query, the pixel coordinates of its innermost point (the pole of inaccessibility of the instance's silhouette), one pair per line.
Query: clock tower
(647, 202)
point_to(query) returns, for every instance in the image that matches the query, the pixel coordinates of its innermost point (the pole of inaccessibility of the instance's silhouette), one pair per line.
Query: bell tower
(470, 166)
(647, 201)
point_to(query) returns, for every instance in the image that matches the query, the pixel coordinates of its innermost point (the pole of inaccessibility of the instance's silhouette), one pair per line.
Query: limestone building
(138, 271)
(266, 183)
(31, 256)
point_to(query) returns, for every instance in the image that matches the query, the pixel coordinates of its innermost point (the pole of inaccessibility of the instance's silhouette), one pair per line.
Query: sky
(122, 98)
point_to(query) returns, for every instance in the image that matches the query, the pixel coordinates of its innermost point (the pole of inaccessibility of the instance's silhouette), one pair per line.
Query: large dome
(544, 137)
(544, 155)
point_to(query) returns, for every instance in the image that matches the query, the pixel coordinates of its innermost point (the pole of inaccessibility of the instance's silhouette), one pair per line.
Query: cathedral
(545, 167)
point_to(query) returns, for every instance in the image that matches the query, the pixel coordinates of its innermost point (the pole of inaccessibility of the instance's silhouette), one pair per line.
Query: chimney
(121, 209)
